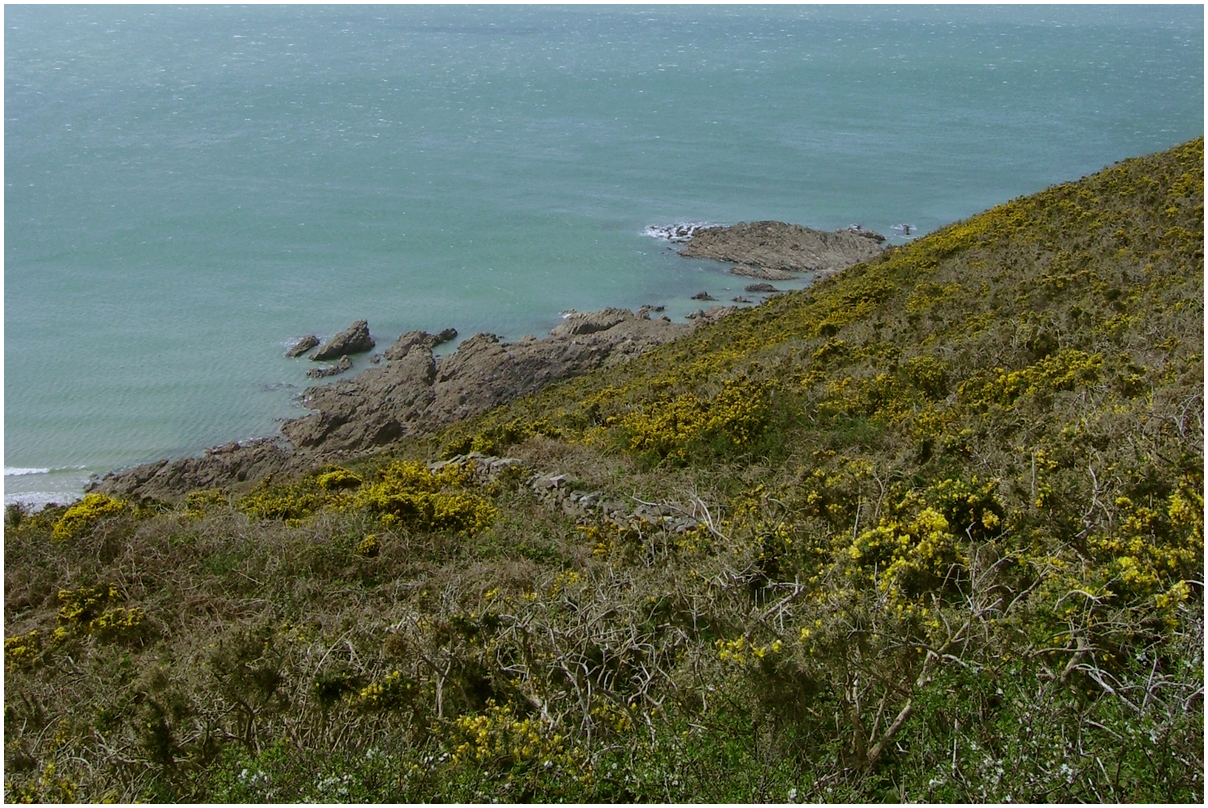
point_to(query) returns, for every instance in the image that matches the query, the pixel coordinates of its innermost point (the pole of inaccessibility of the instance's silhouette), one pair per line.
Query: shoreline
(419, 391)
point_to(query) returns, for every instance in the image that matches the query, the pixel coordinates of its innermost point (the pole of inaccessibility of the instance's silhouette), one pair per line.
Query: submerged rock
(352, 340)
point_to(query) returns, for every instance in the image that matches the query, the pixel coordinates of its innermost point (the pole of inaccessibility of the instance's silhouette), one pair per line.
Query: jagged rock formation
(331, 370)
(302, 346)
(784, 247)
(414, 395)
(413, 338)
(408, 395)
(352, 340)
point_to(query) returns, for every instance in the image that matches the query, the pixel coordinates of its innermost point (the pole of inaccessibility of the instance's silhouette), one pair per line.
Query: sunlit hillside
(930, 530)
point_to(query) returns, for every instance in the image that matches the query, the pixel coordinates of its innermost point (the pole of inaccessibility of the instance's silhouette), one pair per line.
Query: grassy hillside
(930, 530)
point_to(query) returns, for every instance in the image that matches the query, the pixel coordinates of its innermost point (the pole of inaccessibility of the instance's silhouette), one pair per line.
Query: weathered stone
(786, 247)
(352, 340)
(331, 370)
(760, 287)
(413, 338)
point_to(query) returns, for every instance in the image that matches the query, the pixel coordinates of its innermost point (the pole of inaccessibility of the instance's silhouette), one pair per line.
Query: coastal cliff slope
(929, 530)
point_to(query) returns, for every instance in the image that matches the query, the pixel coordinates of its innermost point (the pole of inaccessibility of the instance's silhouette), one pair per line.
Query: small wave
(21, 472)
(675, 233)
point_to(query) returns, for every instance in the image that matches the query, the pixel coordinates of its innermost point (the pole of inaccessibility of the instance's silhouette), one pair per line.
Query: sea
(190, 189)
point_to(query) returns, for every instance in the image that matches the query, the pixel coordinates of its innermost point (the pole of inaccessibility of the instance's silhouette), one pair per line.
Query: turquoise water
(187, 190)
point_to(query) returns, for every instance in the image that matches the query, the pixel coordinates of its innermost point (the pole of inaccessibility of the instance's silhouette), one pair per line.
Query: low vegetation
(930, 530)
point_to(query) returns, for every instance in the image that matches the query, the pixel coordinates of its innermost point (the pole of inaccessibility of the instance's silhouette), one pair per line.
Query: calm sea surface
(187, 190)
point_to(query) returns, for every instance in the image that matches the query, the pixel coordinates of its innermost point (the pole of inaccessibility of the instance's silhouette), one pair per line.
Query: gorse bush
(83, 516)
(930, 530)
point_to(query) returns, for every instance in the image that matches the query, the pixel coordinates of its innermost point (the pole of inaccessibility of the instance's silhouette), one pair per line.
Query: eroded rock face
(785, 247)
(368, 410)
(352, 340)
(221, 467)
(343, 365)
(589, 322)
(413, 395)
(413, 338)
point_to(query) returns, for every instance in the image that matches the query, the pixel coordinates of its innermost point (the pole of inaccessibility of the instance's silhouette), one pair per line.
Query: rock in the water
(786, 247)
(352, 340)
(760, 287)
(645, 311)
(703, 296)
(332, 370)
(302, 346)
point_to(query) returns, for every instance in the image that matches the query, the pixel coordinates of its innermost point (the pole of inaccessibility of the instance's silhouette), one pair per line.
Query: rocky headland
(410, 392)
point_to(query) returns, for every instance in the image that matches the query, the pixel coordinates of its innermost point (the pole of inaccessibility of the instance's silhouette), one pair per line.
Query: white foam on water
(17, 471)
(34, 501)
(675, 233)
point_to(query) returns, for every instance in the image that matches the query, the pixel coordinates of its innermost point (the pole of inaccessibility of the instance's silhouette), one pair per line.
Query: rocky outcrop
(413, 395)
(413, 338)
(711, 314)
(369, 410)
(407, 395)
(785, 247)
(302, 346)
(331, 370)
(589, 322)
(352, 340)
(227, 466)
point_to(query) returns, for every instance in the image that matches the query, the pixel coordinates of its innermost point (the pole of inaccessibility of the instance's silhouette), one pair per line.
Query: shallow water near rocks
(189, 190)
